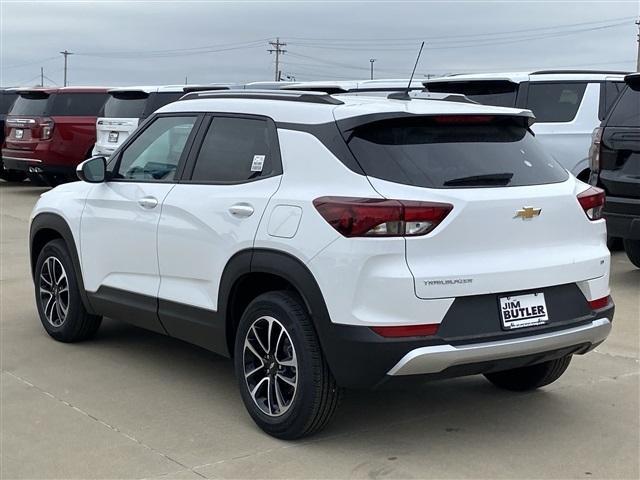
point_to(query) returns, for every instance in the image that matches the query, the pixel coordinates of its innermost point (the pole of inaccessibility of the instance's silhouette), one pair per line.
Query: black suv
(615, 167)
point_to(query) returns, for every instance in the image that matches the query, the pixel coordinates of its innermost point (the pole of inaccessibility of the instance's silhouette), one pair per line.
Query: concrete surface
(133, 404)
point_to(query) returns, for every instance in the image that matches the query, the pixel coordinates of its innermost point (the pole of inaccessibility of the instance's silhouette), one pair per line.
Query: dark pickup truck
(615, 167)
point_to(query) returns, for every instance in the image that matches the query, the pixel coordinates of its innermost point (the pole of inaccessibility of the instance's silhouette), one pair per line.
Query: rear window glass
(608, 96)
(78, 104)
(626, 112)
(6, 100)
(125, 105)
(488, 92)
(33, 105)
(160, 99)
(419, 151)
(555, 102)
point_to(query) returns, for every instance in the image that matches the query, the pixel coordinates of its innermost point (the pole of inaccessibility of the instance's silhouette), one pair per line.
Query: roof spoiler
(633, 80)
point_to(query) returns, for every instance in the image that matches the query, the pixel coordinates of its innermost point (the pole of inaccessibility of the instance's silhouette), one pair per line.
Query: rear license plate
(521, 311)
(113, 137)
(18, 133)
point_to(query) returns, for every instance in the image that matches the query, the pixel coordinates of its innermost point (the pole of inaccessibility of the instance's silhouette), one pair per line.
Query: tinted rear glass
(555, 102)
(160, 99)
(488, 92)
(420, 152)
(78, 104)
(626, 113)
(608, 95)
(6, 100)
(125, 105)
(32, 105)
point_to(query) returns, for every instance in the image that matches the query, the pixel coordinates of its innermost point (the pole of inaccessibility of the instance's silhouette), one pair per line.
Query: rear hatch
(23, 125)
(620, 144)
(516, 223)
(122, 112)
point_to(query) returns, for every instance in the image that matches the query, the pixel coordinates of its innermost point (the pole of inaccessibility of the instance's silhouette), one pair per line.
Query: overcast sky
(145, 42)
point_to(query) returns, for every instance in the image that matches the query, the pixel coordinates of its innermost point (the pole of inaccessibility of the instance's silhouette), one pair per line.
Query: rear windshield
(500, 93)
(626, 112)
(160, 99)
(30, 104)
(78, 104)
(6, 100)
(126, 105)
(421, 152)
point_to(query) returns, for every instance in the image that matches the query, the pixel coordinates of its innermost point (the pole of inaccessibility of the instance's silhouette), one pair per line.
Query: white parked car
(127, 107)
(332, 241)
(568, 105)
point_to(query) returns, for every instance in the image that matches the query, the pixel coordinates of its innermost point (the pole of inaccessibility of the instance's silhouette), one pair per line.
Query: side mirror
(93, 170)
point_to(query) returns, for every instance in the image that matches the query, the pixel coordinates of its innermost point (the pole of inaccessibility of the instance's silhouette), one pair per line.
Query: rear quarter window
(555, 102)
(78, 104)
(421, 152)
(609, 92)
(6, 101)
(626, 112)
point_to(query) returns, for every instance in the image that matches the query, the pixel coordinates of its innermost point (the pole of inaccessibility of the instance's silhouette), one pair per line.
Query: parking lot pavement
(134, 404)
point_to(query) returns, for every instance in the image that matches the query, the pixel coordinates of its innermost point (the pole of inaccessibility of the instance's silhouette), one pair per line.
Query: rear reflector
(373, 217)
(592, 202)
(407, 330)
(599, 303)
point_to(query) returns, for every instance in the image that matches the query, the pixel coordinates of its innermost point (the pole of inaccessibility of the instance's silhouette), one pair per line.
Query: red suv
(49, 131)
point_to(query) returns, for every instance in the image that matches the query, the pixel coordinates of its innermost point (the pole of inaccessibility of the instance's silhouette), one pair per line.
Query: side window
(555, 102)
(235, 150)
(155, 153)
(609, 92)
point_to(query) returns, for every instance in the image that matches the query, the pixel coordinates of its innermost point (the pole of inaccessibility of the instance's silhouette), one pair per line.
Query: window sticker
(258, 163)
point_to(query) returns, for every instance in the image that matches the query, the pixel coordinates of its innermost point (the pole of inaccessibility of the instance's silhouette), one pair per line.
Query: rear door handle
(148, 202)
(241, 210)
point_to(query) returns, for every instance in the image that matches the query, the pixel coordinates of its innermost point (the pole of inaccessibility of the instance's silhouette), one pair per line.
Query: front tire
(632, 247)
(531, 377)
(284, 379)
(60, 307)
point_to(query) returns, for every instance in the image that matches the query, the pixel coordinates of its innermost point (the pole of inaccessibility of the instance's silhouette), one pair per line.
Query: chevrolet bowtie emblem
(527, 213)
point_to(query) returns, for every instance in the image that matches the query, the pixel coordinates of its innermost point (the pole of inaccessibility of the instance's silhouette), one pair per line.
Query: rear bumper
(34, 165)
(436, 359)
(359, 358)
(623, 217)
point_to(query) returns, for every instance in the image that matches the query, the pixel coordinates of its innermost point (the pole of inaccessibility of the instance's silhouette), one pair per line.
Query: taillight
(592, 202)
(371, 217)
(594, 150)
(599, 303)
(407, 330)
(46, 128)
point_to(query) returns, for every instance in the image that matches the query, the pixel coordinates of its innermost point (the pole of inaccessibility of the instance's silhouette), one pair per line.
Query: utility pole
(186, 80)
(276, 48)
(65, 53)
(371, 61)
(41, 77)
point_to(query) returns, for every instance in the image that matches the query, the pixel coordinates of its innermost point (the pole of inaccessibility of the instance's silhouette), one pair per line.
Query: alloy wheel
(54, 291)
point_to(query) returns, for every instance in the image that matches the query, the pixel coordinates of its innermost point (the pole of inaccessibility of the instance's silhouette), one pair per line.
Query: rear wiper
(497, 179)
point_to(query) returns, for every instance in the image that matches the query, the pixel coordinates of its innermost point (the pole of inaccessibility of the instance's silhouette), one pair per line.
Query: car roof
(279, 107)
(536, 75)
(354, 85)
(170, 88)
(50, 90)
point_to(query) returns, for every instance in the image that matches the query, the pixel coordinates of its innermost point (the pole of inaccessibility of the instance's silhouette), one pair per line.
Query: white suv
(568, 105)
(332, 241)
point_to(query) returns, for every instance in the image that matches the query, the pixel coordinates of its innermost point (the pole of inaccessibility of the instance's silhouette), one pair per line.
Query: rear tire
(531, 377)
(60, 307)
(615, 244)
(284, 400)
(15, 176)
(632, 247)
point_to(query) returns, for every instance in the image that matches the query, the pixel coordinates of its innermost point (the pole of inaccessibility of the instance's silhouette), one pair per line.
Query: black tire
(316, 396)
(531, 377)
(15, 176)
(77, 323)
(615, 244)
(37, 180)
(632, 247)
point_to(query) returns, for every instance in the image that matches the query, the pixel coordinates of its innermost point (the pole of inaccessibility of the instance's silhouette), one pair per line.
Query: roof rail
(284, 95)
(441, 97)
(604, 72)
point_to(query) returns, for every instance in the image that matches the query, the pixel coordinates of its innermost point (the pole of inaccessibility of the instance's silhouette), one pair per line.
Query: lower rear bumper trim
(436, 358)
